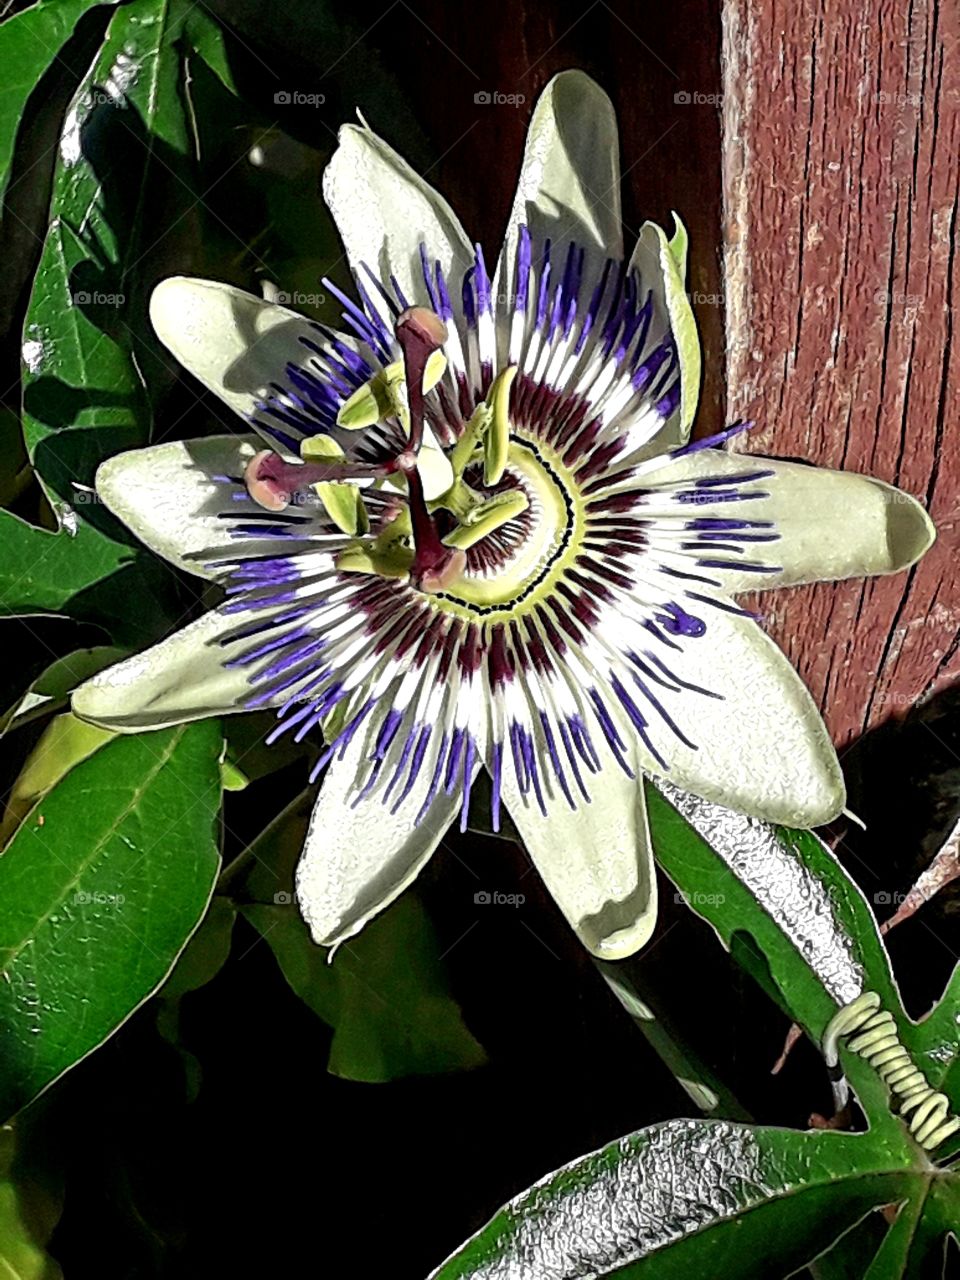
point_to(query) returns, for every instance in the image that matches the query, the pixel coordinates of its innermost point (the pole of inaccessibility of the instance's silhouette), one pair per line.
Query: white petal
(233, 342)
(597, 860)
(357, 859)
(832, 524)
(181, 678)
(662, 267)
(384, 210)
(166, 496)
(762, 748)
(569, 187)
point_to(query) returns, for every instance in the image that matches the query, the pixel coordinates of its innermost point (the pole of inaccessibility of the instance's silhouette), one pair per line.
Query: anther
(271, 481)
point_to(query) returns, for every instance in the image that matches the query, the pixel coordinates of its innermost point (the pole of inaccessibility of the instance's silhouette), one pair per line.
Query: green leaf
(907, 1235)
(788, 912)
(913, 1245)
(83, 396)
(209, 41)
(29, 44)
(64, 743)
(28, 1215)
(784, 890)
(205, 954)
(102, 887)
(79, 572)
(121, 172)
(385, 992)
(936, 1041)
(201, 960)
(53, 685)
(692, 1197)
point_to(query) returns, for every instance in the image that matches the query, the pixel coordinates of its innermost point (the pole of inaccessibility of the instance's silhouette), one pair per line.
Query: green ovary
(554, 531)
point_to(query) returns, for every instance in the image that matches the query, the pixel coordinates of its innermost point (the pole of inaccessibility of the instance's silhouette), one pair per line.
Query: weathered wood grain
(841, 141)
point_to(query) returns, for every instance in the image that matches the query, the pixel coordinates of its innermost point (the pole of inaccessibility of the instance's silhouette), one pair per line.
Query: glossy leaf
(787, 892)
(29, 45)
(789, 913)
(209, 41)
(692, 1197)
(102, 887)
(936, 1040)
(85, 339)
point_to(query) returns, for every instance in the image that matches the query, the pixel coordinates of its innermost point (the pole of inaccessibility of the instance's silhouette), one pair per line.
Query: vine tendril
(875, 1038)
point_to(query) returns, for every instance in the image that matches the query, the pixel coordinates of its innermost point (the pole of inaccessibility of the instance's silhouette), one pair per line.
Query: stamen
(272, 482)
(496, 444)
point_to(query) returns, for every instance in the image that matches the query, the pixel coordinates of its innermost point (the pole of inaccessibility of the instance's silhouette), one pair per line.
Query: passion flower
(469, 531)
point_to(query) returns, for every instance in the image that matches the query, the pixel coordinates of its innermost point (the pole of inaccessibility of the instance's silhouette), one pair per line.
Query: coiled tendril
(875, 1038)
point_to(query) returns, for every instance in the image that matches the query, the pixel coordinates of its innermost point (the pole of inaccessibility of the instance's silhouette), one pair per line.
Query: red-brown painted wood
(841, 141)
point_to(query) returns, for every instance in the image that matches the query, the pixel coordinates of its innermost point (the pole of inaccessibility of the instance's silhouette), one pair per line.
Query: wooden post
(841, 137)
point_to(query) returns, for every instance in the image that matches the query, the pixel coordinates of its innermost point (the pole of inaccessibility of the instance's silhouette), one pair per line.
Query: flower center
(517, 562)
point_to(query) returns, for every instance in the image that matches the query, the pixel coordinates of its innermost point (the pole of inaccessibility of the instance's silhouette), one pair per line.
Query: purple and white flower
(469, 531)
